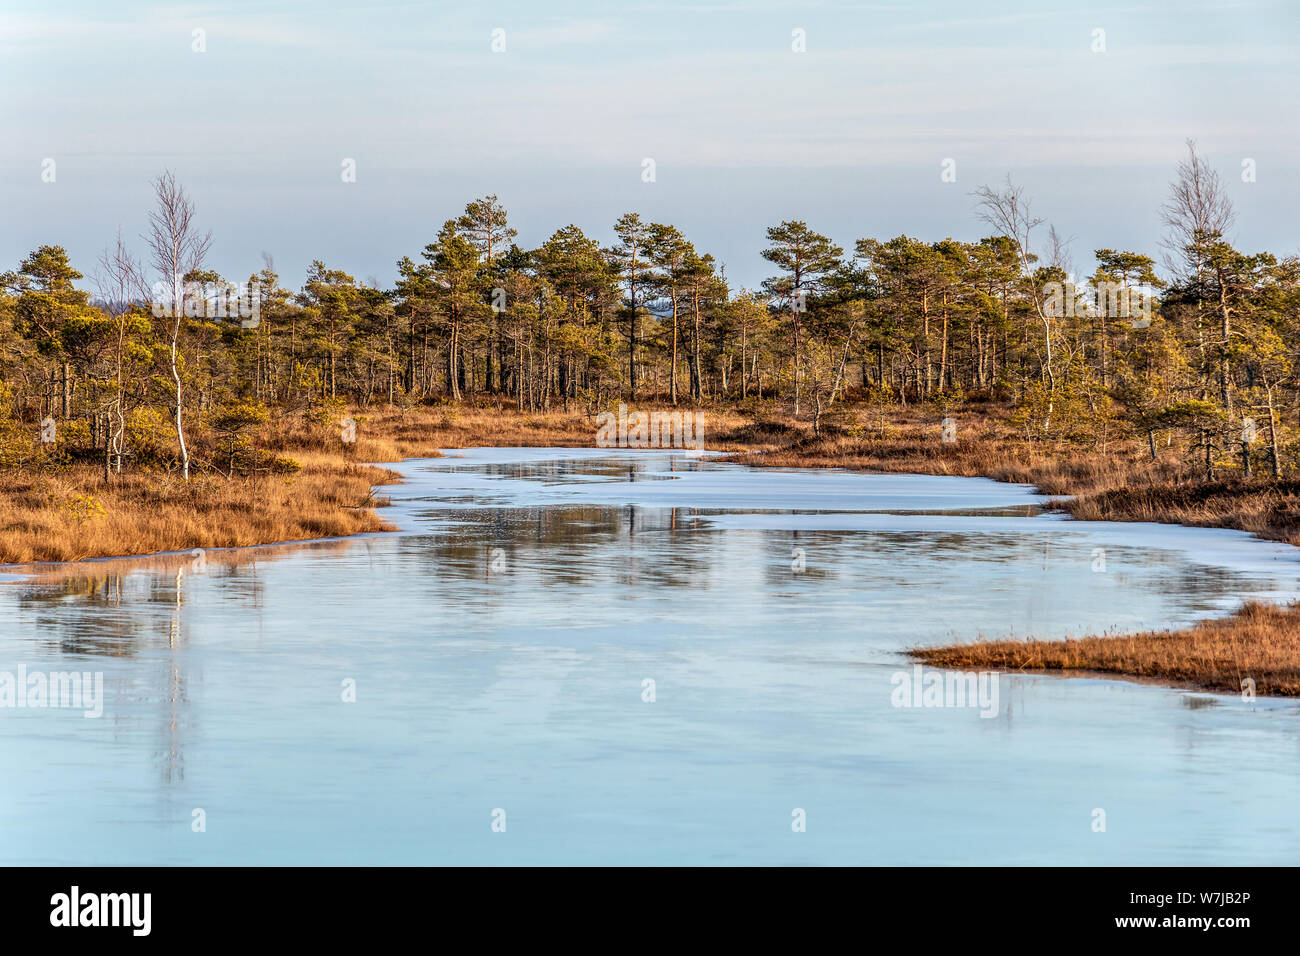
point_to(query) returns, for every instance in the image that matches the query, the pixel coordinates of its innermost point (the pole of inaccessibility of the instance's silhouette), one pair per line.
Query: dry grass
(384, 434)
(1260, 642)
(1268, 508)
(1123, 484)
(462, 427)
(1120, 484)
(70, 514)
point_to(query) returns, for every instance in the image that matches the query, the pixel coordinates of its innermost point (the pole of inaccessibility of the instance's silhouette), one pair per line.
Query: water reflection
(176, 699)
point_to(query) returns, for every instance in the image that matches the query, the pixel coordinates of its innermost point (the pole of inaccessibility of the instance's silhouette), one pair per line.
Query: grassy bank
(321, 485)
(1121, 483)
(1260, 642)
(69, 512)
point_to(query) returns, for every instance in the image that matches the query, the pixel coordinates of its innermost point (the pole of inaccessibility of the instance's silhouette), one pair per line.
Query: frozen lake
(642, 657)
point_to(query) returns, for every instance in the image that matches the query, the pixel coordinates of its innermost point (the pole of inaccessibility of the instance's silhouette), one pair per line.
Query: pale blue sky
(849, 135)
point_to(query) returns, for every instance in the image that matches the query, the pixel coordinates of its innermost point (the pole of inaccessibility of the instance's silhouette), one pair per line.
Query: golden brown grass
(392, 434)
(462, 427)
(385, 434)
(1260, 642)
(1119, 484)
(1269, 508)
(70, 513)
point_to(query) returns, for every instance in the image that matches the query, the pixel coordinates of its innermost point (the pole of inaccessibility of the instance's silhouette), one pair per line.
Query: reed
(1259, 643)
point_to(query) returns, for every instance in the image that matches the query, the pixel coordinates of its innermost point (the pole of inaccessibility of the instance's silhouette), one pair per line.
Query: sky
(258, 113)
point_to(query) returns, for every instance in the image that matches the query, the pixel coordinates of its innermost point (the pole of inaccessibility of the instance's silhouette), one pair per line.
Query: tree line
(1192, 348)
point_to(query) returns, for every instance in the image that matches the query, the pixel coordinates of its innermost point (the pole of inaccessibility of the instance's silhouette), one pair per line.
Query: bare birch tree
(1197, 207)
(1008, 210)
(122, 284)
(1196, 214)
(178, 249)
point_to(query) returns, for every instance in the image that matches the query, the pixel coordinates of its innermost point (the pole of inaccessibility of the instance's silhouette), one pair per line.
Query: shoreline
(1250, 652)
(1175, 656)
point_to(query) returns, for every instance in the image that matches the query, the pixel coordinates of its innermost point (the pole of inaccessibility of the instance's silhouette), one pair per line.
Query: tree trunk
(1272, 435)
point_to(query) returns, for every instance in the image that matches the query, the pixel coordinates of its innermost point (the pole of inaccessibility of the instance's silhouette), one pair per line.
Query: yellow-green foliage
(15, 447)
